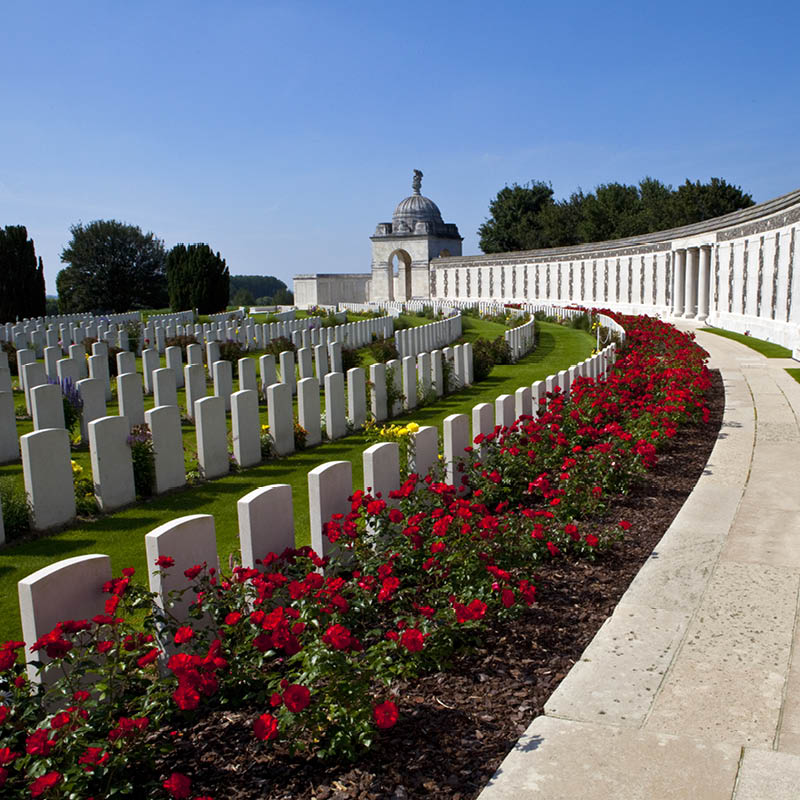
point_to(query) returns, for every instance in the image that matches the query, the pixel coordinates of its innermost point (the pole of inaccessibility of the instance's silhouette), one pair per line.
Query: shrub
(231, 350)
(280, 344)
(485, 354)
(144, 460)
(350, 359)
(73, 403)
(383, 350)
(85, 501)
(16, 508)
(11, 351)
(300, 436)
(181, 341)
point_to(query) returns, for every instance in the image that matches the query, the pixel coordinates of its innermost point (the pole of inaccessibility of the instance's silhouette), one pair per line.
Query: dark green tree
(243, 297)
(527, 218)
(197, 278)
(112, 267)
(22, 291)
(515, 218)
(694, 202)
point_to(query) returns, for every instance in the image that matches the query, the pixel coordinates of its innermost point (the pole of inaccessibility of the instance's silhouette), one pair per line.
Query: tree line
(114, 267)
(528, 217)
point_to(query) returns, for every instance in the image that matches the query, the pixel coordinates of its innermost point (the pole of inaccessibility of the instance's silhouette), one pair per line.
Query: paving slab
(559, 759)
(727, 682)
(767, 775)
(620, 671)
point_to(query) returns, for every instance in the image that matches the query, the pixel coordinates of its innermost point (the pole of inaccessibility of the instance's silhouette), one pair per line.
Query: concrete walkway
(691, 689)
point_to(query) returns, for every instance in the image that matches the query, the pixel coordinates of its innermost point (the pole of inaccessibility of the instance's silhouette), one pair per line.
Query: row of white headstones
(71, 589)
(45, 453)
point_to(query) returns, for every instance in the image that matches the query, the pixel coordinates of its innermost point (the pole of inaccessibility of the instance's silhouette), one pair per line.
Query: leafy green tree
(283, 297)
(527, 217)
(514, 222)
(611, 212)
(197, 278)
(112, 267)
(694, 202)
(22, 291)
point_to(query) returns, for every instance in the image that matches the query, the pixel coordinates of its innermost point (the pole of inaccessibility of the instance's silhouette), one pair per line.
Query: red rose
(413, 640)
(385, 715)
(233, 618)
(60, 720)
(338, 637)
(508, 598)
(38, 744)
(591, 540)
(396, 515)
(296, 698)
(93, 757)
(6, 756)
(47, 781)
(148, 658)
(194, 571)
(186, 698)
(178, 786)
(165, 562)
(183, 634)
(266, 727)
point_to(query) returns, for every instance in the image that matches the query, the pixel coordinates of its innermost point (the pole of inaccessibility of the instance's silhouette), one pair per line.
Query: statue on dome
(416, 184)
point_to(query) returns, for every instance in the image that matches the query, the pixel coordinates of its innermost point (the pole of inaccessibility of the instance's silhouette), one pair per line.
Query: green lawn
(795, 373)
(768, 349)
(121, 535)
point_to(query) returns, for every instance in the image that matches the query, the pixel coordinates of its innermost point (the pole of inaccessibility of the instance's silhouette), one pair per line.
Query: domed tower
(407, 244)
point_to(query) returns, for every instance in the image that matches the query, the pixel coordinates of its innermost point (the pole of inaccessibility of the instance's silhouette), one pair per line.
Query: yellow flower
(265, 429)
(412, 427)
(76, 467)
(402, 432)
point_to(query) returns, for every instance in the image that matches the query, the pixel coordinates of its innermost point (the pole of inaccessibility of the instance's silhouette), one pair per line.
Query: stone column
(690, 295)
(704, 283)
(678, 281)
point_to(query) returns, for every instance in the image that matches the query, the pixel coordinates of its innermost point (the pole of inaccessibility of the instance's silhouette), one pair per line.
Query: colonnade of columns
(691, 282)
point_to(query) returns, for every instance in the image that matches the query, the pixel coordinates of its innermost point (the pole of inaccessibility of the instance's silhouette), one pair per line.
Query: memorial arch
(416, 235)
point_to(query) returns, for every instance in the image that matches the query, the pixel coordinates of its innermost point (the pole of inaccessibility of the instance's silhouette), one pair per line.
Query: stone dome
(416, 208)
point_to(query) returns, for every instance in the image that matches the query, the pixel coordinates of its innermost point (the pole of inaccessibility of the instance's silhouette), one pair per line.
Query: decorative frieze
(716, 277)
(594, 281)
(617, 281)
(605, 280)
(745, 257)
(583, 279)
(480, 281)
(571, 282)
(548, 281)
(467, 280)
(514, 281)
(558, 274)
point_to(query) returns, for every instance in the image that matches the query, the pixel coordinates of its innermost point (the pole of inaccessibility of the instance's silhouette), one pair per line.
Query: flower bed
(418, 578)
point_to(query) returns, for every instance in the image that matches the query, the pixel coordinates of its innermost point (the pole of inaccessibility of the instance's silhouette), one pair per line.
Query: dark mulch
(456, 727)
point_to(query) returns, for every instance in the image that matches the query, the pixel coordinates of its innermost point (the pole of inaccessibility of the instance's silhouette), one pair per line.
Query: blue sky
(282, 133)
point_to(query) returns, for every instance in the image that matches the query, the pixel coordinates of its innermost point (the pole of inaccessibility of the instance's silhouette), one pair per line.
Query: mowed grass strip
(768, 349)
(121, 535)
(795, 373)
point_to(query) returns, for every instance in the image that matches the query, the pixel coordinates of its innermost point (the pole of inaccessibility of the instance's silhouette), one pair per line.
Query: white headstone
(281, 418)
(335, 421)
(266, 522)
(47, 472)
(9, 440)
(47, 406)
(456, 439)
(246, 426)
(223, 381)
(329, 487)
(356, 397)
(308, 410)
(212, 436)
(165, 425)
(194, 378)
(93, 394)
(131, 397)
(424, 454)
(112, 462)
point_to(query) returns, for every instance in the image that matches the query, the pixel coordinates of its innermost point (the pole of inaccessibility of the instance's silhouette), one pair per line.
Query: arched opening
(400, 271)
